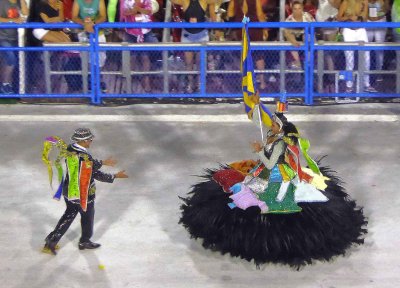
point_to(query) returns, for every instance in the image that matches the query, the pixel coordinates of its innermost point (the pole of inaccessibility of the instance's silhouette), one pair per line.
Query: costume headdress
(82, 134)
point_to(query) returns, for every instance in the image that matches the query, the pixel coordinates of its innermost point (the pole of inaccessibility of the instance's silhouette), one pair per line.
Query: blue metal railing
(309, 48)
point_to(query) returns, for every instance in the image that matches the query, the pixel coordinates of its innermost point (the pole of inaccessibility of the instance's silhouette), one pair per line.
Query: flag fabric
(250, 97)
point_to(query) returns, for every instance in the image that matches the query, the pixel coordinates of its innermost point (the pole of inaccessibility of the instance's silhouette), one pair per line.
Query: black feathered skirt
(321, 231)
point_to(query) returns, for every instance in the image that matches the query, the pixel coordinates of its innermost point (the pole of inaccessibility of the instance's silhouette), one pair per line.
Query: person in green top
(89, 13)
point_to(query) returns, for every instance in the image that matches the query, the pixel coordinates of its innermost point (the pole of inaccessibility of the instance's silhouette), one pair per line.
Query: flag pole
(259, 117)
(251, 95)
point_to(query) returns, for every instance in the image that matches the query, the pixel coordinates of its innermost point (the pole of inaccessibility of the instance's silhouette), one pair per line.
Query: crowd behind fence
(114, 69)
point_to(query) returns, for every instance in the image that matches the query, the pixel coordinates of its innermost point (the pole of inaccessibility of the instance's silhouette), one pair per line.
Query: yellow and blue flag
(250, 93)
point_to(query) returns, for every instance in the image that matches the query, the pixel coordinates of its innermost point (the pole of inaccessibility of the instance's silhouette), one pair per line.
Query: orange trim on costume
(85, 174)
(243, 166)
(294, 163)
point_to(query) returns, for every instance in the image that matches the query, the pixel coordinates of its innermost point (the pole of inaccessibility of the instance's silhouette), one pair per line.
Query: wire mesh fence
(100, 66)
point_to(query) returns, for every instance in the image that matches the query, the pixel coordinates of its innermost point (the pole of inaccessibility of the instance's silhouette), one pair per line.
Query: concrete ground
(162, 147)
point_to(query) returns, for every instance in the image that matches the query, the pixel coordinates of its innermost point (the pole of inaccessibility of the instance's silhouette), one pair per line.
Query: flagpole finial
(245, 20)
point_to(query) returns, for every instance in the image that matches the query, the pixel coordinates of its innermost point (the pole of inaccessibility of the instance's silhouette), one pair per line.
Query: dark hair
(281, 117)
(297, 3)
(288, 128)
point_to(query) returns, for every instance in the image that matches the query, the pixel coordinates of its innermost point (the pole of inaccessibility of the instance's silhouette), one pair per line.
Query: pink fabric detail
(227, 178)
(246, 198)
(126, 5)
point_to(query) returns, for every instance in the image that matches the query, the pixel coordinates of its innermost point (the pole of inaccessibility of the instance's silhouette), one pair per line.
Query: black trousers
(87, 221)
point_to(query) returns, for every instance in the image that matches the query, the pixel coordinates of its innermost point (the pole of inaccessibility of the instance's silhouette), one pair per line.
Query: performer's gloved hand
(121, 174)
(109, 162)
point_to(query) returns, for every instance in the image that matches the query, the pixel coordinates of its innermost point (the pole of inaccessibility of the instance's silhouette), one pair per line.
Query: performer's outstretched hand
(109, 162)
(121, 174)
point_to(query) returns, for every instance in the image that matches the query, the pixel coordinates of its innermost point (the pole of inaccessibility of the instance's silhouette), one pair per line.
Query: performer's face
(86, 143)
(275, 128)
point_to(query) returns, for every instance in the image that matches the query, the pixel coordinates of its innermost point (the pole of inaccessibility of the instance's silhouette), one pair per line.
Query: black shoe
(50, 247)
(88, 245)
(6, 88)
(103, 87)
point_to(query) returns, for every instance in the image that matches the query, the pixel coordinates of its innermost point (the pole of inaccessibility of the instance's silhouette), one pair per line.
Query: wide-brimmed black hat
(82, 134)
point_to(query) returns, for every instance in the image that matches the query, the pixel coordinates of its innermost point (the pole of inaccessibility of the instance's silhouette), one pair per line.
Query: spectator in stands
(252, 9)
(194, 11)
(271, 10)
(88, 13)
(310, 6)
(355, 11)
(11, 11)
(132, 11)
(295, 36)
(327, 12)
(395, 15)
(50, 11)
(377, 10)
(67, 5)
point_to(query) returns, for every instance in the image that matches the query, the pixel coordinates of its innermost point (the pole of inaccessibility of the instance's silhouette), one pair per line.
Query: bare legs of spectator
(329, 35)
(146, 67)
(296, 64)
(260, 64)
(189, 61)
(6, 73)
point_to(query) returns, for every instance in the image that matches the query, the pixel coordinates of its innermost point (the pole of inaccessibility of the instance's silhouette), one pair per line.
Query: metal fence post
(165, 71)
(92, 60)
(361, 69)
(309, 65)
(397, 71)
(85, 71)
(126, 70)
(203, 60)
(282, 68)
(47, 71)
(95, 66)
(320, 67)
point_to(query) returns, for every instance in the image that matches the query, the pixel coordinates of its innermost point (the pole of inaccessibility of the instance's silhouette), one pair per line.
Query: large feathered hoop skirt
(320, 231)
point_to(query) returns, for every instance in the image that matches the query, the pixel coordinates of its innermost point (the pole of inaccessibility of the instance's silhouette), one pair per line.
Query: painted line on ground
(196, 118)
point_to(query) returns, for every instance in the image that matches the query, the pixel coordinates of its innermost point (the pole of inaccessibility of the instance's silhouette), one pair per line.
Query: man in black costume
(81, 141)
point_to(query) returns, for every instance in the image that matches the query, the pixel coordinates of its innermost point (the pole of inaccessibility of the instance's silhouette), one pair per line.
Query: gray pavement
(162, 147)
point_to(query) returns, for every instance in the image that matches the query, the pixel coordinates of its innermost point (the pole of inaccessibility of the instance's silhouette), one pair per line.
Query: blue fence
(309, 81)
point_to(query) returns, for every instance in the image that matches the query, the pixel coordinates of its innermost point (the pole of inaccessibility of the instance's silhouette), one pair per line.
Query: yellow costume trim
(283, 172)
(318, 180)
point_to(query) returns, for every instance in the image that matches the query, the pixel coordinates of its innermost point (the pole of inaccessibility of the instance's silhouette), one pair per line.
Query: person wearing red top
(68, 9)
